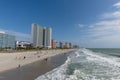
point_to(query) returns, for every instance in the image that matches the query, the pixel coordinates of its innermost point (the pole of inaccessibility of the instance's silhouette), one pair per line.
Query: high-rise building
(37, 35)
(48, 37)
(34, 34)
(6, 40)
(41, 36)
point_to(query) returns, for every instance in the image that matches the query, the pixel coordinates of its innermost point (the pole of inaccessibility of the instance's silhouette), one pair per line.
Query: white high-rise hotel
(41, 36)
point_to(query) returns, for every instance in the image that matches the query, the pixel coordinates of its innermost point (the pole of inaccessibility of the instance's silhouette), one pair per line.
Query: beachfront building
(68, 45)
(23, 45)
(61, 45)
(37, 35)
(41, 36)
(54, 44)
(6, 40)
(47, 37)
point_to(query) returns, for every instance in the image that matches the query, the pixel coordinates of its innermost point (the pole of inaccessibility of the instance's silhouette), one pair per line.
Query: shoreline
(33, 70)
(19, 59)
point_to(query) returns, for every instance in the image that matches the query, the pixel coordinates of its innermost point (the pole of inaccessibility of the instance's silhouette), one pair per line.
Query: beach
(15, 60)
(29, 65)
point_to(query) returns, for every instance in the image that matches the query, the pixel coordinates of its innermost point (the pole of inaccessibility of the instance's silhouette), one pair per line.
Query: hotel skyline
(41, 36)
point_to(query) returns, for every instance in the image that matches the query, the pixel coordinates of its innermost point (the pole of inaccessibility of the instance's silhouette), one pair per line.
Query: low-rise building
(61, 45)
(67, 45)
(54, 43)
(23, 44)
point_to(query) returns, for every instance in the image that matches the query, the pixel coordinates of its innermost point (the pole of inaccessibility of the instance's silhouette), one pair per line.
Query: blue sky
(88, 23)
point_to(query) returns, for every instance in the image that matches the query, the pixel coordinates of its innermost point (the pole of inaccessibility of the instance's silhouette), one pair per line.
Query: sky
(87, 23)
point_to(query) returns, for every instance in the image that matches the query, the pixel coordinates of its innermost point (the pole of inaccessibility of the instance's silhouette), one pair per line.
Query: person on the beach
(24, 57)
(46, 59)
(19, 66)
(38, 56)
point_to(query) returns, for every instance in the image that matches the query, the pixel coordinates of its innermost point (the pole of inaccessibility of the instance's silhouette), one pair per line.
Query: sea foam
(86, 65)
(57, 73)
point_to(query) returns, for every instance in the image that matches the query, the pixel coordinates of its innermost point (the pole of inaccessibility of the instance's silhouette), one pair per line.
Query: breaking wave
(85, 64)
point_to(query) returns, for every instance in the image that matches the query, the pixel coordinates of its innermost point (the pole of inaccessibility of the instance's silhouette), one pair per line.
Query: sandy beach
(10, 61)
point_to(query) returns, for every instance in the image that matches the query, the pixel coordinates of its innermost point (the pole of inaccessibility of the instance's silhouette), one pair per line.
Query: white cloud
(107, 23)
(108, 27)
(81, 25)
(113, 15)
(105, 32)
(117, 5)
(19, 35)
(91, 26)
(105, 28)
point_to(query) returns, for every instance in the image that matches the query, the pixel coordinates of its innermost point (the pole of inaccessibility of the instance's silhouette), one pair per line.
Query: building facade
(48, 38)
(7, 41)
(23, 45)
(67, 45)
(54, 44)
(41, 36)
(61, 45)
(37, 35)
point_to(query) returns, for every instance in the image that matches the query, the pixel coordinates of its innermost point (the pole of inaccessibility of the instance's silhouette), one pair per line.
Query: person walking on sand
(24, 57)
(19, 66)
(46, 59)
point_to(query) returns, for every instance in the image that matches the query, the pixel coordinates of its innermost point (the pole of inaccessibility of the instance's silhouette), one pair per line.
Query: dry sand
(14, 60)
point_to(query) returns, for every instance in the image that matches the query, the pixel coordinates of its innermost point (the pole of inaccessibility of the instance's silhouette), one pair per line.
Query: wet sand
(10, 61)
(33, 70)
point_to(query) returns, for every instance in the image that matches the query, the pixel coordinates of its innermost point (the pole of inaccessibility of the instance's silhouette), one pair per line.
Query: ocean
(87, 64)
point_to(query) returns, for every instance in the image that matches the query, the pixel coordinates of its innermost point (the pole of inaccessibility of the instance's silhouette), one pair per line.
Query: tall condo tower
(41, 36)
(37, 35)
(47, 37)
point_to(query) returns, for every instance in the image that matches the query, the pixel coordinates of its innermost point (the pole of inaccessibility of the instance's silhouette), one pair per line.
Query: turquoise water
(88, 64)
